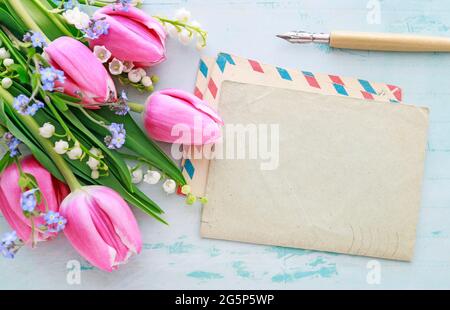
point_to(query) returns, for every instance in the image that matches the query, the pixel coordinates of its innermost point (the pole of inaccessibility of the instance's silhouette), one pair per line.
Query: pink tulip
(86, 77)
(176, 116)
(53, 191)
(132, 36)
(101, 226)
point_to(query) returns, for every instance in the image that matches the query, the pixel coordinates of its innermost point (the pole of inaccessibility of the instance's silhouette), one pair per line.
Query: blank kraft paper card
(348, 178)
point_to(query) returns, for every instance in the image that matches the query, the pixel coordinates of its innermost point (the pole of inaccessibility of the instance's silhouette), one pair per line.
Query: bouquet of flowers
(60, 73)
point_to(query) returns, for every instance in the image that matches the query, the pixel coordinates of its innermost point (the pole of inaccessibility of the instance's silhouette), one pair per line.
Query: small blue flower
(56, 224)
(49, 76)
(96, 29)
(51, 217)
(9, 245)
(12, 143)
(6, 252)
(69, 4)
(125, 4)
(9, 238)
(118, 136)
(28, 200)
(61, 224)
(37, 39)
(121, 107)
(22, 105)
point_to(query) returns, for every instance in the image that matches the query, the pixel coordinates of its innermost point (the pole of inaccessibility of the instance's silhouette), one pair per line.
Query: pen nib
(289, 36)
(284, 37)
(304, 37)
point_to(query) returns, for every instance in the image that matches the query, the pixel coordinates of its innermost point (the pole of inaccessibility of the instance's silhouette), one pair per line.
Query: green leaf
(5, 161)
(134, 196)
(21, 132)
(15, 53)
(115, 163)
(22, 72)
(23, 182)
(10, 22)
(60, 104)
(140, 143)
(67, 97)
(16, 89)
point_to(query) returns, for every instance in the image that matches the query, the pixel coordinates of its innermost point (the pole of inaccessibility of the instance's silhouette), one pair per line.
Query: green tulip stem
(136, 107)
(58, 160)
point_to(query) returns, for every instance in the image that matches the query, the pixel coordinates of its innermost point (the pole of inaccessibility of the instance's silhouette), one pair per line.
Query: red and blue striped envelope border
(227, 67)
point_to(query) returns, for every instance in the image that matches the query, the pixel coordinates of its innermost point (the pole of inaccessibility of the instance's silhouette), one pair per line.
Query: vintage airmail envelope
(345, 174)
(213, 73)
(226, 67)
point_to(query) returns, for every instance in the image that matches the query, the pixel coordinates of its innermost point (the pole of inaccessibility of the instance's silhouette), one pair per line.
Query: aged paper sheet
(348, 180)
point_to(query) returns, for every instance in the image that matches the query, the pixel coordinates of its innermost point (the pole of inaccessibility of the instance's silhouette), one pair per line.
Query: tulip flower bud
(101, 226)
(85, 75)
(132, 36)
(175, 116)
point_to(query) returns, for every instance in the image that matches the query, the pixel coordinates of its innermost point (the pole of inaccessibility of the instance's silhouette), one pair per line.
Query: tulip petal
(121, 217)
(138, 16)
(132, 36)
(171, 119)
(51, 190)
(101, 226)
(17, 223)
(84, 72)
(194, 101)
(82, 233)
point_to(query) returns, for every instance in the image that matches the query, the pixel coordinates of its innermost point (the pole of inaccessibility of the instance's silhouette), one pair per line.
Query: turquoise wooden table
(175, 257)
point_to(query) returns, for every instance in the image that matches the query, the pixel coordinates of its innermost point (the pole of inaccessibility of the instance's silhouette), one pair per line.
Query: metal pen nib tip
(304, 37)
(283, 36)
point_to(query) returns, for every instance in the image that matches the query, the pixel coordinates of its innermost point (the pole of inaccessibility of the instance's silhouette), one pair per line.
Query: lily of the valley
(77, 18)
(75, 152)
(61, 147)
(47, 130)
(116, 67)
(4, 53)
(6, 83)
(102, 53)
(170, 186)
(152, 177)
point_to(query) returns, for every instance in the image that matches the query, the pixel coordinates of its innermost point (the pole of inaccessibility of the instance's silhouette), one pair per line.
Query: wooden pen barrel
(388, 42)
